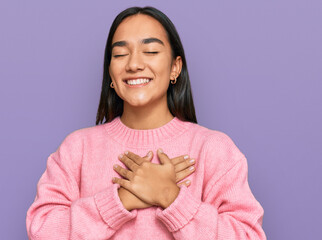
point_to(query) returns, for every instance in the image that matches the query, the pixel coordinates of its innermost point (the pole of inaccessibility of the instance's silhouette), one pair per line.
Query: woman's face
(141, 63)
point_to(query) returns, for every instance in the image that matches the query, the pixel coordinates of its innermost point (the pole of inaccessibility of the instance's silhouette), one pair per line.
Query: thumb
(148, 157)
(163, 157)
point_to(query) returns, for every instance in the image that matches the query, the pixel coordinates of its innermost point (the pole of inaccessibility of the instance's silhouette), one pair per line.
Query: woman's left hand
(153, 183)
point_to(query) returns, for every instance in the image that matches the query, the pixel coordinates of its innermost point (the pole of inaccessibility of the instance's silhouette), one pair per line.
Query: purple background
(255, 69)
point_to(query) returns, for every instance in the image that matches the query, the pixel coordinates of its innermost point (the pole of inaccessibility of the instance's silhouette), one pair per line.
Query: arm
(227, 210)
(59, 212)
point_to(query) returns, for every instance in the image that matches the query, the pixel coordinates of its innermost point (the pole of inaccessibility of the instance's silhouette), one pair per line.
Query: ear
(176, 68)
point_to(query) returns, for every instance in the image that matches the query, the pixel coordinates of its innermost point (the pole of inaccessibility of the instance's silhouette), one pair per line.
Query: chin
(144, 101)
(138, 103)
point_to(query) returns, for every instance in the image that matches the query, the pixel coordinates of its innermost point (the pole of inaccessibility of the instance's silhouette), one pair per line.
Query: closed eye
(151, 52)
(120, 55)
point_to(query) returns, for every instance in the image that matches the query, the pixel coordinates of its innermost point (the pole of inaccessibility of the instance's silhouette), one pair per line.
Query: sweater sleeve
(227, 210)
(58, 211)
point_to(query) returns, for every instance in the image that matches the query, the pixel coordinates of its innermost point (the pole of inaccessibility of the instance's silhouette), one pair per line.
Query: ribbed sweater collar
(149, 137)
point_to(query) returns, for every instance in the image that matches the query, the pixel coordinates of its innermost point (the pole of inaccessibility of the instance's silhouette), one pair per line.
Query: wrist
(169, 195)
(125, 204)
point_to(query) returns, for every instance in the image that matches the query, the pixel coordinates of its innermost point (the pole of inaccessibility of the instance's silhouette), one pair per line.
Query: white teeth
(138, 81)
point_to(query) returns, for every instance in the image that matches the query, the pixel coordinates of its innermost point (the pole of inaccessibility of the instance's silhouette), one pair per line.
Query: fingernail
(188, 182)
(160, 150)
(115, 166)
(121, 155)
(192, 161)
(192, 168)
(149, 153)
(186, 157)
(126, 152)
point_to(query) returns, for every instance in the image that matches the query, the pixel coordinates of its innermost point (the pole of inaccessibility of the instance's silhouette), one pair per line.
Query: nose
(135, 62)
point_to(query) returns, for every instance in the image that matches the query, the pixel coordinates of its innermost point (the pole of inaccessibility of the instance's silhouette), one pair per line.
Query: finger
(122, 182)
(123, 172)
(183, 165)
(187, 183)
(128, 162)
(148, 157)
(179, 159)
(184, 173)
(136, 158)
(163, 157)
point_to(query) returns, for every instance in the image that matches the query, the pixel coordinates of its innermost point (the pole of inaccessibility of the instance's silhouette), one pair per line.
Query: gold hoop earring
(173, 81)
(112, 85)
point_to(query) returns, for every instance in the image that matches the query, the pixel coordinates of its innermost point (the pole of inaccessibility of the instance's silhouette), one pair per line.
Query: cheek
(115, 70)
(161, 67)
(112, 71)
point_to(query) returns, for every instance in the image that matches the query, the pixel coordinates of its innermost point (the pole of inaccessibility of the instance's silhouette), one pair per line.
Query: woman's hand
(128, 199)
(155, 184)
(183, 167)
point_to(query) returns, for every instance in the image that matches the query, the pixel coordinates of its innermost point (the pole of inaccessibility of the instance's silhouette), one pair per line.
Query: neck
(147, 117)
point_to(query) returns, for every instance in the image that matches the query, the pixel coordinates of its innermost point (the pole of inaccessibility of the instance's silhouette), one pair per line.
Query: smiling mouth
(138, 82)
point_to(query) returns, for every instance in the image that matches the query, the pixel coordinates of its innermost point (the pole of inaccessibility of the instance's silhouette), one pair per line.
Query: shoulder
(85, 133)
(70, 151)
(219, 151)
(213, 139)
(76, 139)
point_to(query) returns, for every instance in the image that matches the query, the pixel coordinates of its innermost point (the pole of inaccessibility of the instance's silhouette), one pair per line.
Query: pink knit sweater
(76, 198)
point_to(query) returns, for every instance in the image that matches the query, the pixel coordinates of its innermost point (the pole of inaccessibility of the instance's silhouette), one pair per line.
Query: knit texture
(76, 198)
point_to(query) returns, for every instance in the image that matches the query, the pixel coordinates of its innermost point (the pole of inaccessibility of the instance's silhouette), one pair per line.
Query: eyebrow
(143, 41)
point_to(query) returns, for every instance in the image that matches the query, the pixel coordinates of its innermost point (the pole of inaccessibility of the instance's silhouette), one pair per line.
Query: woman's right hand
(183, 167)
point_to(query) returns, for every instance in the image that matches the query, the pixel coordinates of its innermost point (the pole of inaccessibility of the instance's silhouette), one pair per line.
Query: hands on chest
(145, 184)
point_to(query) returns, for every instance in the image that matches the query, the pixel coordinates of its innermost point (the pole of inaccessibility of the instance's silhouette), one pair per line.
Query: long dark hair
(179, 95)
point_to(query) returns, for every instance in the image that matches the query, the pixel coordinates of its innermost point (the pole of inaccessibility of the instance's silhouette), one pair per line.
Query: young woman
(149, 171)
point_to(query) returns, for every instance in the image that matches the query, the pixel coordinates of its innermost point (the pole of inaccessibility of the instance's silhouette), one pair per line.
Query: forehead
(139, 26)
